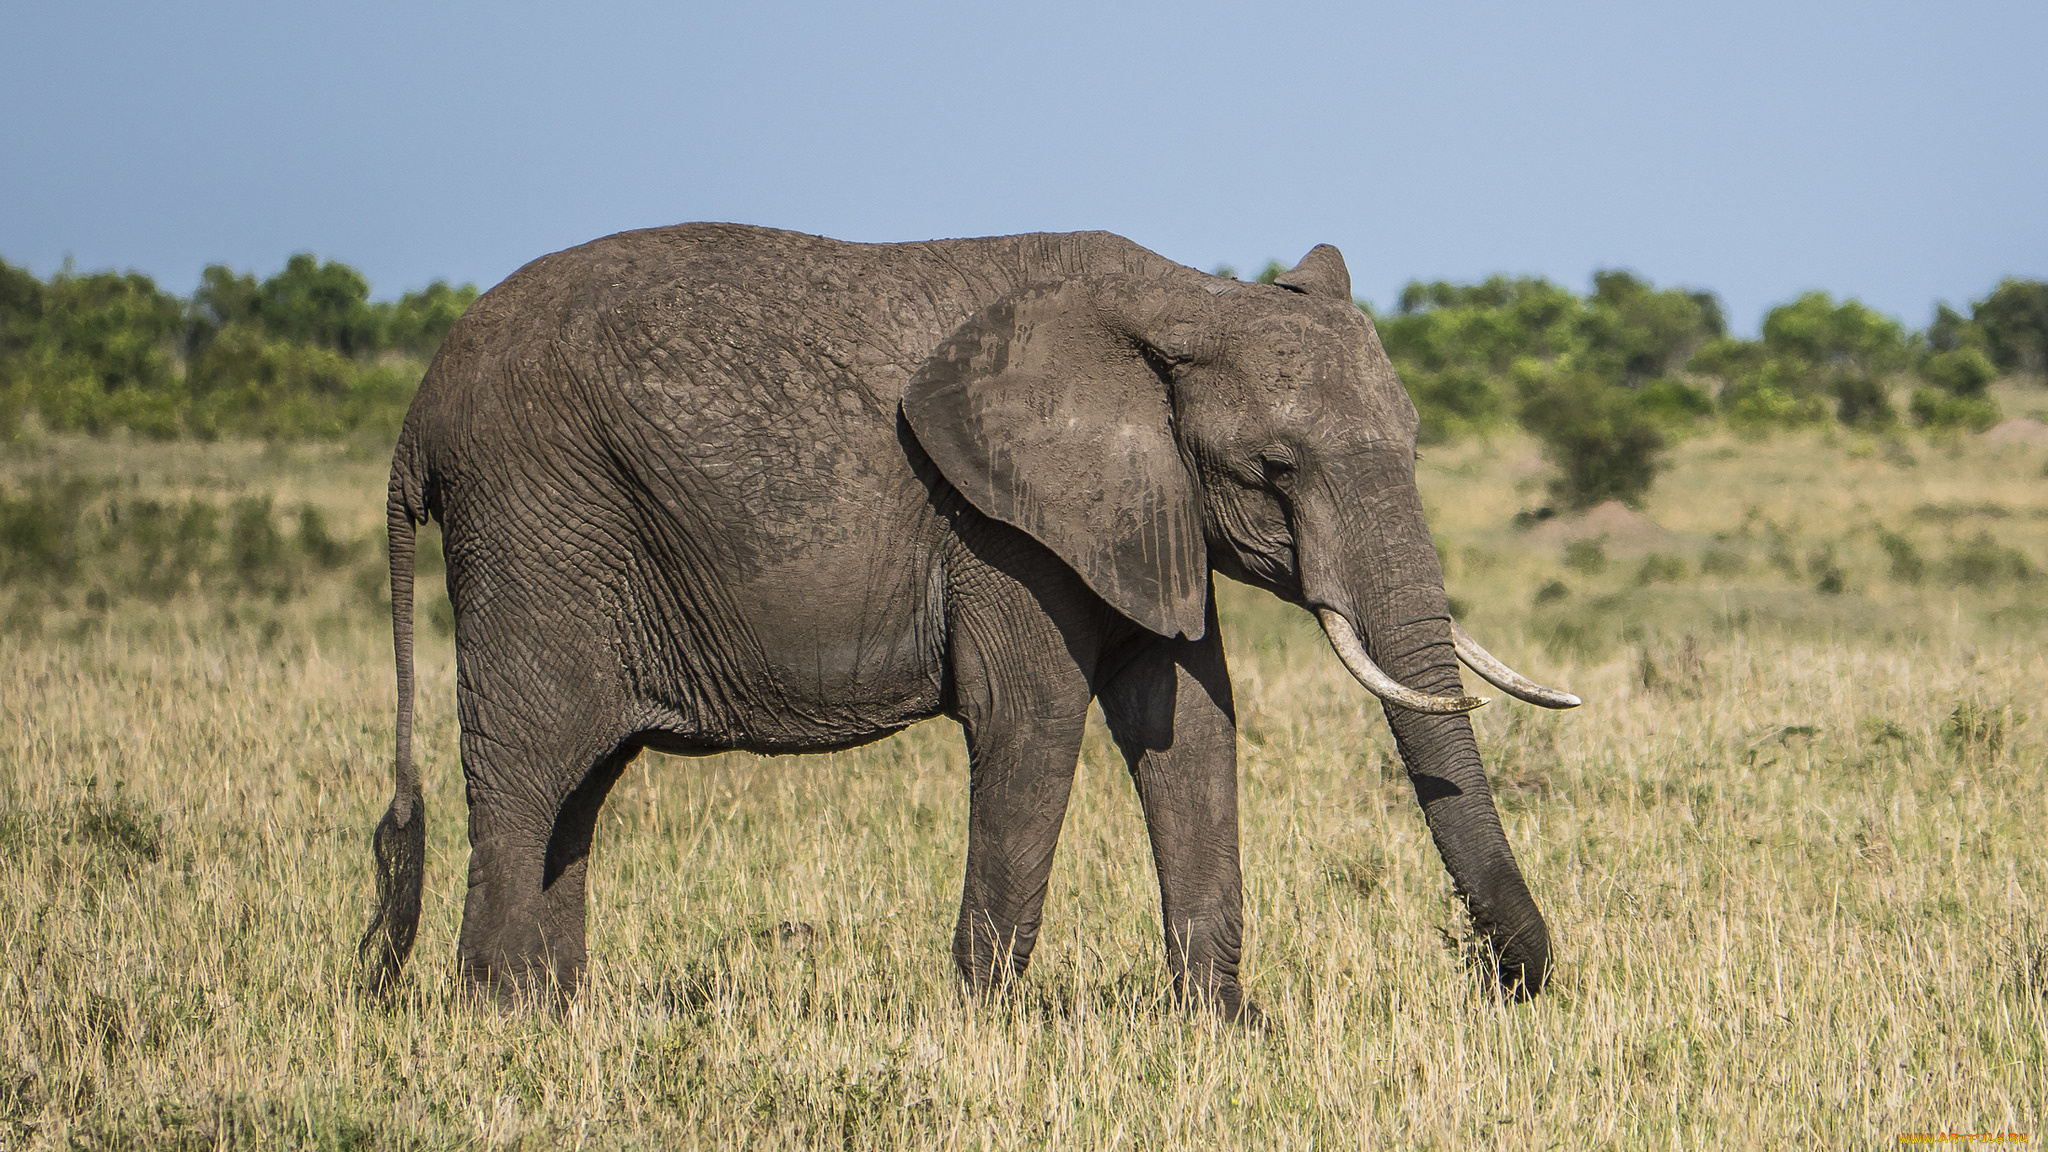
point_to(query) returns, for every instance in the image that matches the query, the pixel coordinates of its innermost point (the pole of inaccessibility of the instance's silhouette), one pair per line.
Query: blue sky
(1897, 152)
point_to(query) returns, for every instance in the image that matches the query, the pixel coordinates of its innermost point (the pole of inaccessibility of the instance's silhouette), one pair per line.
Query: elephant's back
(869, 312)
(747, 357)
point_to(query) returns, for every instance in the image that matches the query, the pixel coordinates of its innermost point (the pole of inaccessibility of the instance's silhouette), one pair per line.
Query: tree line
(1474, 355)
(304, 353)
(1605, 380)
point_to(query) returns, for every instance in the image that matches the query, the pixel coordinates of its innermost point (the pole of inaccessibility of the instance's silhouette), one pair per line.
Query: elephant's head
(1149, 429)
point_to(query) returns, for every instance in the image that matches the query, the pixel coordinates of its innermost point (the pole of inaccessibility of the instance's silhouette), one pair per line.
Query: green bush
(1722, 560)
(1933, 408)
(1462, 350)
(1658, 568)
(1814, 351)
(1455, 402)
(89, 353)
(1675, 402)
(59, 533)
(2014, 320)
(246, 384)
(1964, 372)
(1862, 402)
(38, 530)
(1604, 445)
(1951, 330)
(1759, 407)
(1983, 562)
(1906, 565)
(419, 321)
(1816, 331)
(1828, 577)
(317, 544)
(1588, 556)
(1454, 346)
(1635, 333)
(1729, 359)
(1956, 359)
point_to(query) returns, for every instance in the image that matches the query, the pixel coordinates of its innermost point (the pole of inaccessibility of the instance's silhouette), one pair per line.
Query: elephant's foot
(522, 944)
(1224, 996)
(990, 960)
(520, 984)
(1231, 1003)
(523, 971)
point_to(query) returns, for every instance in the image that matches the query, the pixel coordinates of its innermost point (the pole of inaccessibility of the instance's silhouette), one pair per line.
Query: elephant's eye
(1277, 467)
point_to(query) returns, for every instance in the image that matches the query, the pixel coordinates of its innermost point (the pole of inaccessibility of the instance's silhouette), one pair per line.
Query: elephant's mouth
(1351, 650)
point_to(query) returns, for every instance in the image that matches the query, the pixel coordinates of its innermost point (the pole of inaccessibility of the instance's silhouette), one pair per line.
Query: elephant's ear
(1320, 273)
(1046, 416)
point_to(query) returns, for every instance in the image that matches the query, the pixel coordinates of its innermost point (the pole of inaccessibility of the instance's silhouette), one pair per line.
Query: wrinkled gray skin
(717, 487)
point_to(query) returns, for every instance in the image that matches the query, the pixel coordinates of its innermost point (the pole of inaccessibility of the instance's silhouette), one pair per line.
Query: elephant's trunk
(1387, 581)
(1351, 650)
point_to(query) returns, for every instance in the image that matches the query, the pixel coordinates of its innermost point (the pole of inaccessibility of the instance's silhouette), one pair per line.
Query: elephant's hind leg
(523, 922)
(542, 743)
(565, 871)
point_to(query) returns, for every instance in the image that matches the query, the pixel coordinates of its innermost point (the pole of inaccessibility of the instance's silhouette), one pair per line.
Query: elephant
(714, 487)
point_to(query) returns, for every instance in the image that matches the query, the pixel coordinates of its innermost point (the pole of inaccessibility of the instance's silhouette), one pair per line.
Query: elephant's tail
(401, 846)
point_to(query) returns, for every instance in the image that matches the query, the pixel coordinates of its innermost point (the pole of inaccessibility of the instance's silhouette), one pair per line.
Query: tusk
(1345, 640)
(1505, 678)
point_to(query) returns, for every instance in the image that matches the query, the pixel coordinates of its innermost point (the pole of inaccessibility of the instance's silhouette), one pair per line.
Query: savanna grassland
(1794, 848)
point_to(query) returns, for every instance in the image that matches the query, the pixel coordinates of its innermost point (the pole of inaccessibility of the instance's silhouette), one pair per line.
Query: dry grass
(1792, 850)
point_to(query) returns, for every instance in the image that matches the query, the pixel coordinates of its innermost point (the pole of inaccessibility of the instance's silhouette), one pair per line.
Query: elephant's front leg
(1023, 701)
(1170, 710)
(1021, 777)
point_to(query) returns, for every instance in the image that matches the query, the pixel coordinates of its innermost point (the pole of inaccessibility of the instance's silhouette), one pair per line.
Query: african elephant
(717, 487)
